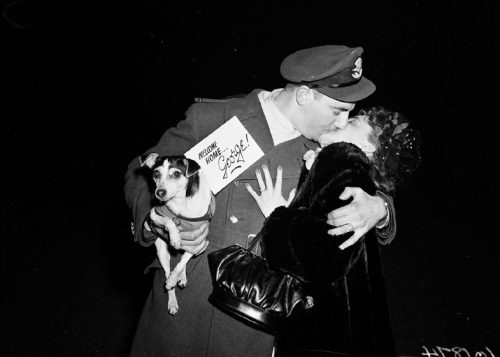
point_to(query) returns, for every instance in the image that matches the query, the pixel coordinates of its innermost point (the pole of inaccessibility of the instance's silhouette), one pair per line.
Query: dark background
(87, 85)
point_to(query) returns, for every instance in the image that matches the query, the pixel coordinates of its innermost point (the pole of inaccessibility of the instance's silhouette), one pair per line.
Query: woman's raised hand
(270, 196)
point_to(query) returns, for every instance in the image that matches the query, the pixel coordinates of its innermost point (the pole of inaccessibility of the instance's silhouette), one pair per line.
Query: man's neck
(285, 102)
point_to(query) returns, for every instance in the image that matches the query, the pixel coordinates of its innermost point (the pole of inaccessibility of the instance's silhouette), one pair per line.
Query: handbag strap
(255, 240)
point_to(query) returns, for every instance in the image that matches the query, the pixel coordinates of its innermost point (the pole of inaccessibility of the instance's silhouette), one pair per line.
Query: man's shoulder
(242, 106)
(211, 114)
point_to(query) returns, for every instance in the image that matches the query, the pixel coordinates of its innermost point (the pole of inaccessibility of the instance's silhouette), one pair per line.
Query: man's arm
(175, 141)
(138, 199)
(386, 230)
(362, 214)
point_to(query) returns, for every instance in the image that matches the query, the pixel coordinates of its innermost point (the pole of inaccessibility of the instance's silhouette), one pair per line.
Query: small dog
(187, 202)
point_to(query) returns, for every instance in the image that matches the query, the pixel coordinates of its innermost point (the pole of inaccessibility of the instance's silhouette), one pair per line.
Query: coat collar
(249, 112)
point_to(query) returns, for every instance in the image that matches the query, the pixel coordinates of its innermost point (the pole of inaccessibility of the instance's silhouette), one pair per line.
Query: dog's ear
(149, 160)
(192, 167)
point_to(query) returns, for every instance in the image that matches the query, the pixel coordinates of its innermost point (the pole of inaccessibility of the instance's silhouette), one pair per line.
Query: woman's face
(357, 132)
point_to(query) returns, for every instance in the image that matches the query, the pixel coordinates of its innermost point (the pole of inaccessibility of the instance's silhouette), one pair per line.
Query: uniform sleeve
(386, 234)
(175, 141)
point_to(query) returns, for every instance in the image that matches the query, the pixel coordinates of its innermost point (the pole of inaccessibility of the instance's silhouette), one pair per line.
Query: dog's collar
(177, 218)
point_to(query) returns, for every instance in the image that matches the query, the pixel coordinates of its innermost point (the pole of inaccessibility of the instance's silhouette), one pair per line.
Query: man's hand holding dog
(359, 216)
(194, 242)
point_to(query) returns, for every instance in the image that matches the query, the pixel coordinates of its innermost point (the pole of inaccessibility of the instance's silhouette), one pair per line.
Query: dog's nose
(161, 193)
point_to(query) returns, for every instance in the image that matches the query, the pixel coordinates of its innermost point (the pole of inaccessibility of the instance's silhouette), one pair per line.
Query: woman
(376, 151)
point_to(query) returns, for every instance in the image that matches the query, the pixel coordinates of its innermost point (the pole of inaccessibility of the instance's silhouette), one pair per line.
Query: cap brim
(353, 93)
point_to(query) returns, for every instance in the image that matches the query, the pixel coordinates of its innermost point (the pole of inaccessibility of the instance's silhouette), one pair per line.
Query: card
(225, 154)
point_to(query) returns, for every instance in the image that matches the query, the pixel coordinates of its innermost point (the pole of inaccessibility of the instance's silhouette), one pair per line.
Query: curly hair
(397, 145)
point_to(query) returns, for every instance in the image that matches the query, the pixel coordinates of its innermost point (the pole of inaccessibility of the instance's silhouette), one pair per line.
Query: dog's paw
(173, 307)
(172, 280)
(182, 282)
(176, 243)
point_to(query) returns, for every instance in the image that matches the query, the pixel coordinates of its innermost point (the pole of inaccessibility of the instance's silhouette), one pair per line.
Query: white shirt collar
(280, 127)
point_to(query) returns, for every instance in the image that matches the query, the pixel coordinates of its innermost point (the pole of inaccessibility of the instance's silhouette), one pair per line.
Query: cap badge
(357, 70)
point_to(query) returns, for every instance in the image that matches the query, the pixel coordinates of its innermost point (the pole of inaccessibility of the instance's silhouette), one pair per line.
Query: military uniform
(199, 329)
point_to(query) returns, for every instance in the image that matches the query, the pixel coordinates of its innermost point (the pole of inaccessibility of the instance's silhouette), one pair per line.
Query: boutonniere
(310, 156)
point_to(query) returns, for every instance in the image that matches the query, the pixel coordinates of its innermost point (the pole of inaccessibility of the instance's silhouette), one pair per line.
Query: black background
(87, 85)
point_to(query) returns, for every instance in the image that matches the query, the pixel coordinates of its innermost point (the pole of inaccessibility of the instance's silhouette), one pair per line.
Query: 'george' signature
(234, 160)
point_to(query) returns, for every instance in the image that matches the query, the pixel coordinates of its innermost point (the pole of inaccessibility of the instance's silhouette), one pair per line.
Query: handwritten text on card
(225, 154)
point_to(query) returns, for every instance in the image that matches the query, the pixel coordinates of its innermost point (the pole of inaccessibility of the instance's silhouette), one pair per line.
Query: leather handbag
(245, 287)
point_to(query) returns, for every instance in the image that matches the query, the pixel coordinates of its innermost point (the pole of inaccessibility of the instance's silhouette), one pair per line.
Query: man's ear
(192, 167)
(304, 95)
(150, 160)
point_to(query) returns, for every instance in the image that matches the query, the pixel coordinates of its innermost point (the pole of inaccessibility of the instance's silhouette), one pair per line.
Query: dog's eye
(156, 175)
(176, 174)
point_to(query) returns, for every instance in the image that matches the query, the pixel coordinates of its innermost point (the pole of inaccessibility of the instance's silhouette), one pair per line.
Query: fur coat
(295, 240)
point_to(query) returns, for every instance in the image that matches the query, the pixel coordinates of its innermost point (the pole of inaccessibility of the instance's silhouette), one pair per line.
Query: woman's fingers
(267, 175)
(291, 196)
(279, 179)
(262, 186)
(266, 183)
(270, 196)
(252, 192)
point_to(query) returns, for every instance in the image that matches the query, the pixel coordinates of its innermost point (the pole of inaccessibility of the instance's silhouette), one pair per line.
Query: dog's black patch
(193, 185)
(187, 167)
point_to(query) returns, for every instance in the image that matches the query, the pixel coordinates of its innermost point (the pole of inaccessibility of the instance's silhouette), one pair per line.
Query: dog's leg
(182, 279)
(175, 241)
(164, 258)
(178, 274)
(173, 305)
(173, 232)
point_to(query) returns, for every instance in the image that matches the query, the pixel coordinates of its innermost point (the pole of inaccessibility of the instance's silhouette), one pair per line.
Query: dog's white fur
(192, 207)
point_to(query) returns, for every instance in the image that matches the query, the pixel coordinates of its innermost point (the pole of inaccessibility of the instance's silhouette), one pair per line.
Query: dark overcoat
(199, 329)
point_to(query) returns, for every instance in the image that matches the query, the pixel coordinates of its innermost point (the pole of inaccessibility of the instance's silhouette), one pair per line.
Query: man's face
(357, 131)
(323, 114)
